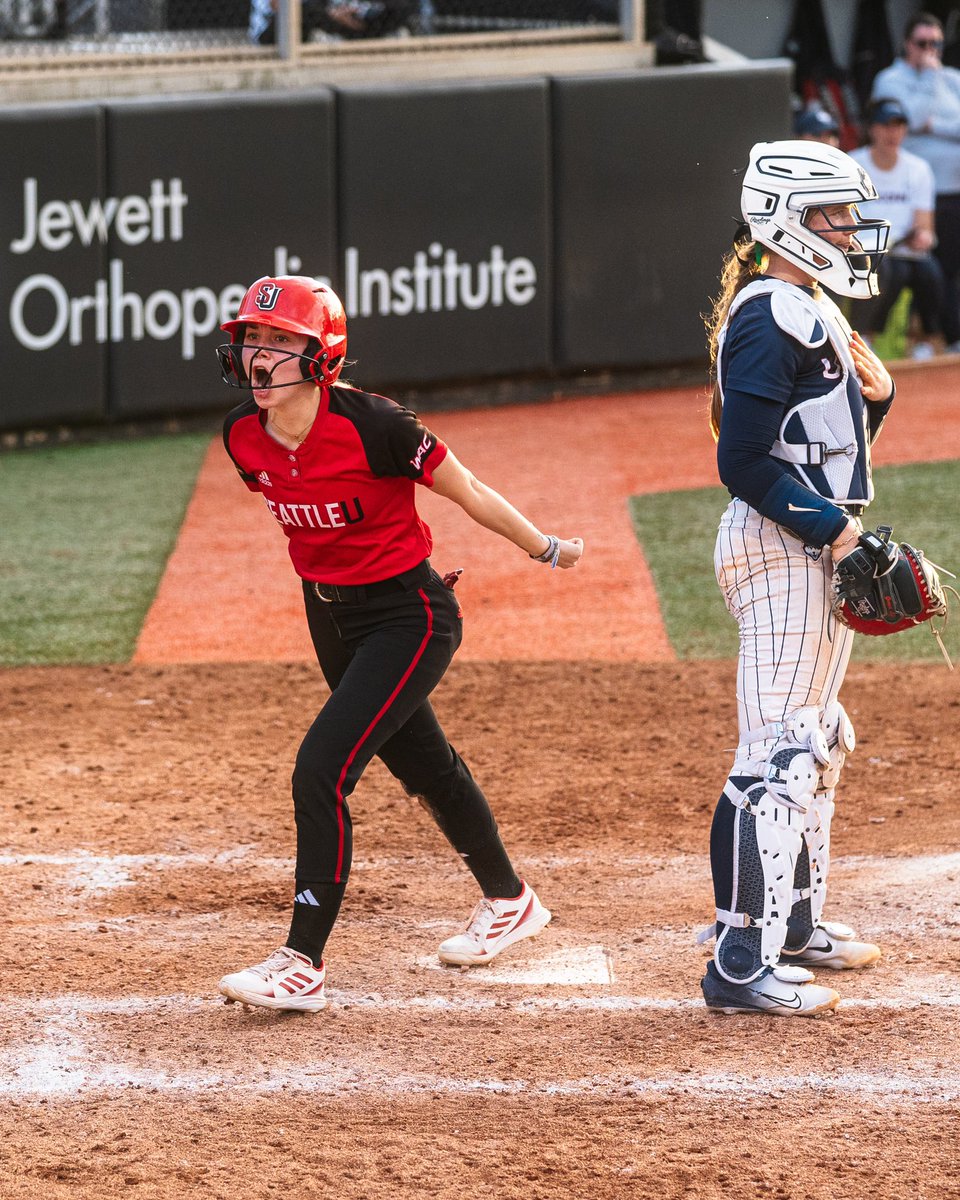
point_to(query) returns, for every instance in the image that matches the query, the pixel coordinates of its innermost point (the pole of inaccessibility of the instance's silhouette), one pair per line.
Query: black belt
(854, 510)
(358, 593)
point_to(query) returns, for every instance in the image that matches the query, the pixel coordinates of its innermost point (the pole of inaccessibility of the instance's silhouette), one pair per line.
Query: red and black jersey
(345, 497)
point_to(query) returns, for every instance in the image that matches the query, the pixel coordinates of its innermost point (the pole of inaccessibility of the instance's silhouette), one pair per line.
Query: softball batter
(338, 470)
(799, 398)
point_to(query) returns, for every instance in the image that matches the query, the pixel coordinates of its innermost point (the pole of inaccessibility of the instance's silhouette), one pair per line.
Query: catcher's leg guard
(813, 863)
(810, 876)
(754, 846)
(765, 842)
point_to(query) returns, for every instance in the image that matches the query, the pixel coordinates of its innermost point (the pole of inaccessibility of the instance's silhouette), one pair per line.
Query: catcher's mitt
(882, 587)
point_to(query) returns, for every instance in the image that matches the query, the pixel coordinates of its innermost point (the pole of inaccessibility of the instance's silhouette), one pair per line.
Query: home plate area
(580, 1018)
(148, 852)
(136, 1077)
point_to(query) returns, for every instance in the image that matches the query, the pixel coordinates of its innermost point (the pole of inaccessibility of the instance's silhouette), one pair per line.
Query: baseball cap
(815, 122)
(886, 112)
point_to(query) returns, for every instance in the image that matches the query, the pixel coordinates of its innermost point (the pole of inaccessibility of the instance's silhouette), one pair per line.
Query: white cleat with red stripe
(287, 979)
(495, 925)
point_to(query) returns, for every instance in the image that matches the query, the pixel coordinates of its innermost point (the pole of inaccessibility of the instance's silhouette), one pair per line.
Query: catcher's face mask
(787, 185)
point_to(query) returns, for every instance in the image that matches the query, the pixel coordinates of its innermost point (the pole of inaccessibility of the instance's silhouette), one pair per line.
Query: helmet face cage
(870, 236)
(236, 359)
(785, 184)
(297, 304)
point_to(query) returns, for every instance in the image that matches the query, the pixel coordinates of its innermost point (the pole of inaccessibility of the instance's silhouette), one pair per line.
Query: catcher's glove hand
(882, 586)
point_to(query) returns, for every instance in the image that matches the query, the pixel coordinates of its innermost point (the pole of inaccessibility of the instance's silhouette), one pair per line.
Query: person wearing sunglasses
(905, 198)
(929, 94)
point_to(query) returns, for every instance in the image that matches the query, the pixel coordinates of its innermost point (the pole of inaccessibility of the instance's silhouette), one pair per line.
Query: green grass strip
(86, 533)
(677, 531)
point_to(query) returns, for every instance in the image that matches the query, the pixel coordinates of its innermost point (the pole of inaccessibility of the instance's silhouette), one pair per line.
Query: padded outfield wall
(544, 228)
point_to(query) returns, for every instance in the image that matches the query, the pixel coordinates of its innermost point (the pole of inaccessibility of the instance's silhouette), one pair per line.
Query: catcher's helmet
(785, 182)
(297, 304)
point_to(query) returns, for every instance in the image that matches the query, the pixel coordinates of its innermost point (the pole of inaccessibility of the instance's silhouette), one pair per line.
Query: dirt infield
(149, 849)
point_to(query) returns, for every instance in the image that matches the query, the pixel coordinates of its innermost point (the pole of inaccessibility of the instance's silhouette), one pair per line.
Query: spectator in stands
(262, 28)
(929, 94)
(816, 125)
(344, 18)
(906, 191)
(673, 26)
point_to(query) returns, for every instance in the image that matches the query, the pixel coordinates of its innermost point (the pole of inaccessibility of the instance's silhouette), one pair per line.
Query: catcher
(799, 398)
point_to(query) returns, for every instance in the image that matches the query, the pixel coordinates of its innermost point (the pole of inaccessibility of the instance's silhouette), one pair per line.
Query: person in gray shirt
(929, 94)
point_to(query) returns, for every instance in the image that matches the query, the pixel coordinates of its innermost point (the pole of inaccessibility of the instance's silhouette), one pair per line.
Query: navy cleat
(779, 991)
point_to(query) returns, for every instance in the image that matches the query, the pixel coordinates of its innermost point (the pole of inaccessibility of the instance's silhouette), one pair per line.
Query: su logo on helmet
(267, 296)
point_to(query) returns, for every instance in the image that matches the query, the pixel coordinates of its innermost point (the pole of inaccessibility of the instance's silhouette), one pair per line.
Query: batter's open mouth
(260, 377)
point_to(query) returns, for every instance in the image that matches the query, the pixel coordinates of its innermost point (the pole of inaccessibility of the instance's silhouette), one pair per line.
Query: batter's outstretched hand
(875, 381)
(570, 552)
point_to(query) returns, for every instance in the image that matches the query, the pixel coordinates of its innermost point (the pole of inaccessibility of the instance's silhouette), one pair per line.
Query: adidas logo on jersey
(264, 478)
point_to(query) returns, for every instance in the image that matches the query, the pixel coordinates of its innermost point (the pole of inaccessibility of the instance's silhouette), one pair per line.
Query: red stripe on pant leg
(366, 733)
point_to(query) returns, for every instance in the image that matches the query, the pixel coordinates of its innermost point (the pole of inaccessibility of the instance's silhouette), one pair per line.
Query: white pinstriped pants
(793, 652)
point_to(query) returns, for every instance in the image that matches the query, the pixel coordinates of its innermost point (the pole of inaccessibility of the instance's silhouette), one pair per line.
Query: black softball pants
(382, 659)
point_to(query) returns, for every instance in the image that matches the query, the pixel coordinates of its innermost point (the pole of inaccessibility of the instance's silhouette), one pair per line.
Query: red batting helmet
(297, 304)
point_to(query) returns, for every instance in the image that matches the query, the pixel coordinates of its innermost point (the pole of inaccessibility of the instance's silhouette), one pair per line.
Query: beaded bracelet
(552, 552)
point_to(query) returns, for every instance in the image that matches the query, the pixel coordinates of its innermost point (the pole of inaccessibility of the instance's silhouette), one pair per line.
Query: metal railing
(56, 30)
(83, 49)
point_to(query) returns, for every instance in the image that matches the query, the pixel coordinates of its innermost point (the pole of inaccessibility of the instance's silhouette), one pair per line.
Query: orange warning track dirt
(229, 592)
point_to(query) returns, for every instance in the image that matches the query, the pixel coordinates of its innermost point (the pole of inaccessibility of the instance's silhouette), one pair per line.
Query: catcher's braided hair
(741, 265)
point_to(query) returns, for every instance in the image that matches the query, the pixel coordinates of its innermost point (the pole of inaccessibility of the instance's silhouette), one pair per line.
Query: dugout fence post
(289, 30)
(633, 21)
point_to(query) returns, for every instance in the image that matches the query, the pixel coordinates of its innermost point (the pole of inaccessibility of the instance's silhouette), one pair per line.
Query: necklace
(293, 437)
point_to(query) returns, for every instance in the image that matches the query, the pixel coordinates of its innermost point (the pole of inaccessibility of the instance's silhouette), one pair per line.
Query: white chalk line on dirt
(58, 1057)
(69, 1008)
(61, 1069)
(91, 871)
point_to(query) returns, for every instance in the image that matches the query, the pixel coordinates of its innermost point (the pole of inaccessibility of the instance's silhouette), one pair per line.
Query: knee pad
(837, 729)
(767, 838)
(793, 765)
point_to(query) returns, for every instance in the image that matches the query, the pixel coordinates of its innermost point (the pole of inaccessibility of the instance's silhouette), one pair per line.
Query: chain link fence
(38, 30)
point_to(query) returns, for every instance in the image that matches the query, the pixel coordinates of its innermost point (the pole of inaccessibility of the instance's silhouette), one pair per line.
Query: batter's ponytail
(744, 263)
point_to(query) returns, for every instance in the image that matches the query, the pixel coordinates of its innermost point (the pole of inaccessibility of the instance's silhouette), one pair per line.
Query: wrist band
(552, 552)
